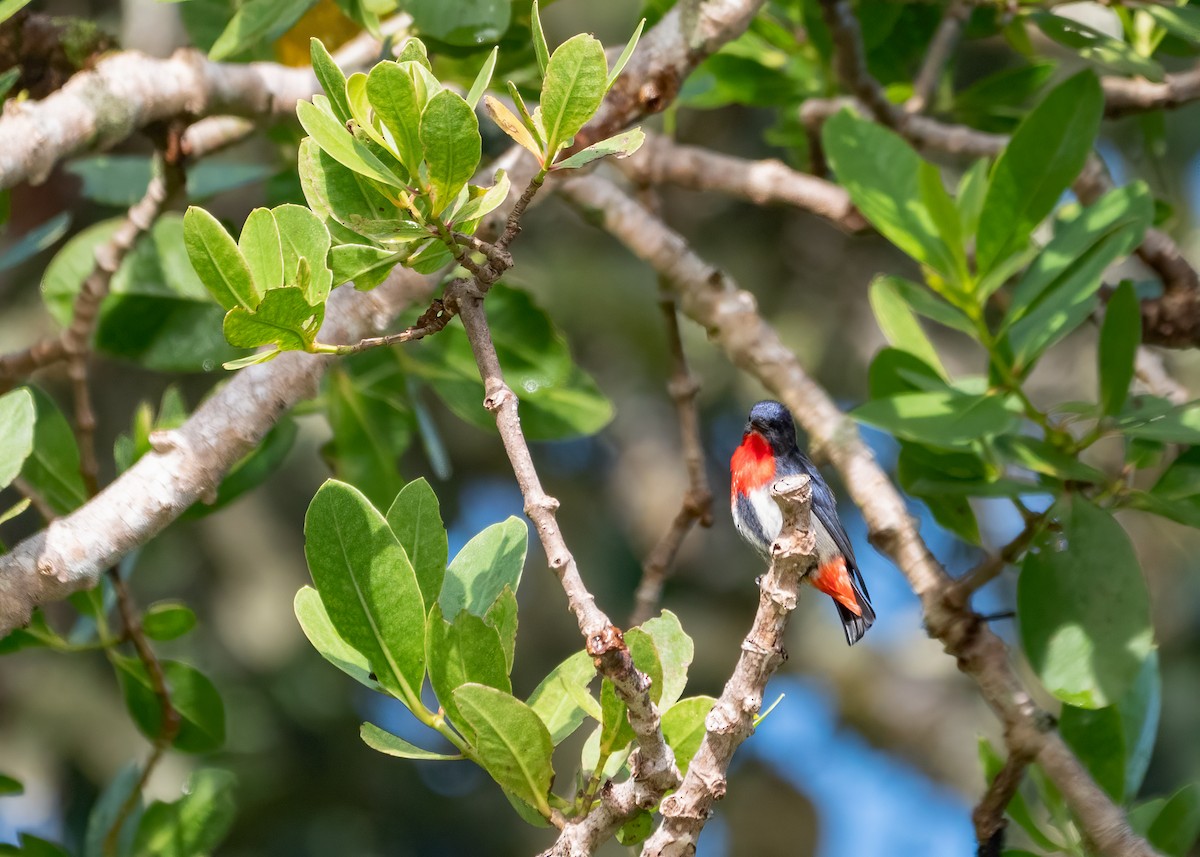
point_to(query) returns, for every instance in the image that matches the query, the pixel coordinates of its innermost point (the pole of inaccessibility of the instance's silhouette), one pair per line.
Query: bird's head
(773, 422)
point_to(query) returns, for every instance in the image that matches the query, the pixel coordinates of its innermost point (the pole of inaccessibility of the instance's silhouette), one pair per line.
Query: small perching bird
(769, 452)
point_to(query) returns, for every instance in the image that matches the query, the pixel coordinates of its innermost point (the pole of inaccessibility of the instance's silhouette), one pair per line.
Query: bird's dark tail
(856, 626)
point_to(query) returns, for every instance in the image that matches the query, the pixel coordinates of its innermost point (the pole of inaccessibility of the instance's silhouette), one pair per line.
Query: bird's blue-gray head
(774, 422)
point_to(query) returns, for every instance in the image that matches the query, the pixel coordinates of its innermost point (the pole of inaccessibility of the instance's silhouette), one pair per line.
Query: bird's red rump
(752, 465)
(833, 578)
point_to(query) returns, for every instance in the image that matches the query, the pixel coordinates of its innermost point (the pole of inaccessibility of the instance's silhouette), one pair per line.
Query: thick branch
(661, 160)
(128, 90)
(731, 720)
(1123, 95)
(713, 300)
(186, 464)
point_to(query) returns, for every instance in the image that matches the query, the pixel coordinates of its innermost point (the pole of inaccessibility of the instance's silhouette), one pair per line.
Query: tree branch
(731, 720)
(988, 816)
(1125, 95)
(129, 90)
(713, 300)
(941, 46)
(660, 160)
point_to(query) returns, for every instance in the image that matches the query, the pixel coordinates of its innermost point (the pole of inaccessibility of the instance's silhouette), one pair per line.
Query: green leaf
(1120, 336)
(1096, 46)
(899, 324)
(34, 846)
(394, 745)
(1086, 635)
(1176, 827)
(17, 418)
(12, 75)
(10, 786)
(463, 23)
(195, 824)
(367, 585)
(574, 85)
(880, 172)
(637, 829)
(620, 146)
(615, 730)
(38, 239)
(1168, 424)
(558, 700)
(502, 616)
(71, 265)
(158, 312)
(314, 621)
(483, 79)
(283, 319)
(946, 218)
(52, 468)
(924, 302)
(1140, 710)
(1044, 156)
(683, 727)
(512, 742)
(486, 203)
(465, 650)
(342, 146)
(167, 620)
(476, 577)
(893, 372)
(260, 246)
(337, 193)
(416, 520)
(1041, 456)
(304, 236)
(1181, 21)
(257, 22)
(108, 807)
(331, 78)
(969, 196)
(1177, 491)
(540, 49)
(392, 91)
(675, 652)
(218, 261)
(193, 696)
(451, 145)
(368, 411)
(946, 418)
(619, 65)
(1097, 739)
(511, 125)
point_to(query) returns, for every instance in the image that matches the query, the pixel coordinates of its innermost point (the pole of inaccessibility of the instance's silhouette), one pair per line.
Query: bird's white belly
(770, 516)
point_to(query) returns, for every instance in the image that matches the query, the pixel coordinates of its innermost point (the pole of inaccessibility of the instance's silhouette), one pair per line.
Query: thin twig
(731, 720)
(941, 46)
(988, 816)
(987, 569)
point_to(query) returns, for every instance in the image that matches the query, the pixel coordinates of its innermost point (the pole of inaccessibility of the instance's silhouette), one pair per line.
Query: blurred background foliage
(872, 751)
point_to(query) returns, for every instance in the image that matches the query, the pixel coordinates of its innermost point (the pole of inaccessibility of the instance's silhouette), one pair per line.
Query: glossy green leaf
(557, 700)
(880, 172)
(193, 696)
(394, 745)
(1097, 46)
(71, 265)
(683, 727)
(675, 652)
(10, 786)
(304, 236)
(463, 23)
(1181, 21)
(541, 50)
(483, 79)
(34, 846)
(393, 94)
(195, 824)
(969, 196)
(1087, 635)
(619, 65)
(924, 302)
(331, 78)
(260, 246)
(486, 203)
(1097, 739)
(513, 743)
(946, 418)
(256, 22)
(1176, 494)
(342, 146)
(1041, 456)
(10, 76)
(367, 585)
(451, 145)
(284, 319)
(1176, 826)
(898, 323)
(477, 575)
(574, 85)
(314, 621)
(636, 829)
(465, 650)
(1044, 156)
(619, 146)
(17, 417)
(502, 616)
(1120, 336)
(337, 193)
(416, 520)
(167, 620)
(1170, 425)
(946, 218)
(52, 468)
(40, 238)
(218, 262)
(893, 372)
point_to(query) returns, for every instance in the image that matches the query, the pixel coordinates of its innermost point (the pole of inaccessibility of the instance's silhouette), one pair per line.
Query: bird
(769, 452)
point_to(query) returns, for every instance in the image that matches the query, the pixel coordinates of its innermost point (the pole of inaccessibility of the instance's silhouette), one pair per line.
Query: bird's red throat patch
(752, 466)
